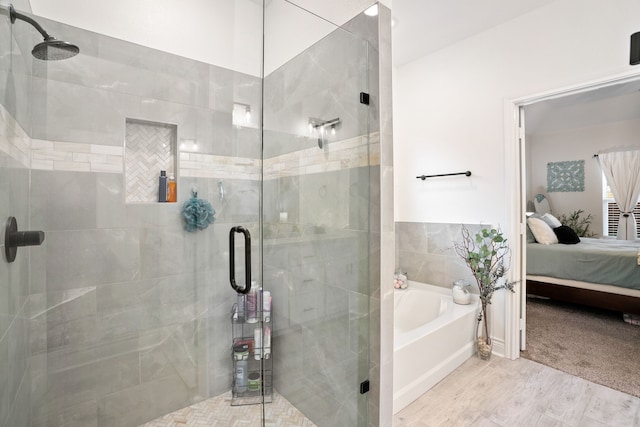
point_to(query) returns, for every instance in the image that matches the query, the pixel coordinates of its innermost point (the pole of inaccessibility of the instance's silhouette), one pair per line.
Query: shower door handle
(247, 259)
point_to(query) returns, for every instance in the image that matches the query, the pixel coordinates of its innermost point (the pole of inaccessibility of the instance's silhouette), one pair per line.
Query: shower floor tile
(218, 412)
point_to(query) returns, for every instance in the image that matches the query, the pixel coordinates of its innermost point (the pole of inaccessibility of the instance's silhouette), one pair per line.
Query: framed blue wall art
(565, 176)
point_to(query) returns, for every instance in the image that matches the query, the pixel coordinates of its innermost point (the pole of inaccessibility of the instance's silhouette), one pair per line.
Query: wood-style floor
(517, 393)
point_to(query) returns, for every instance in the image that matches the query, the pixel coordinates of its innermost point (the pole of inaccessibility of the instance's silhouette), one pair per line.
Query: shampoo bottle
(172, 190)
(162, 186)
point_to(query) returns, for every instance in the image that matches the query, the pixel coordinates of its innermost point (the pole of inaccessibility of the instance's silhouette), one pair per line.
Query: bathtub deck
(518, 392)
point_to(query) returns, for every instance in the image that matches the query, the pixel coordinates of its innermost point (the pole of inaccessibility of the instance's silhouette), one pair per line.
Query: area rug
(596, 345)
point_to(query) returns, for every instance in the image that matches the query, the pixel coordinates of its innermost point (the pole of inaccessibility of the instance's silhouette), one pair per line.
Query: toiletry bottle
(252, 304)
(267, 342)
(172, 190)
(241, 376)
(240, 307)
(241, 351)
(266, 306)
(257, 338)
(254, 381)
(162, 187)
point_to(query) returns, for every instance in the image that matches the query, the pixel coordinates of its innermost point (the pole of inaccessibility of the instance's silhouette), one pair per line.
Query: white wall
(227, 33)
(578, 144)
(449, 106)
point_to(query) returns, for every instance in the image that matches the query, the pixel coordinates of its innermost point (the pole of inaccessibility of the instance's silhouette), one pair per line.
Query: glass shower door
(15, 81)
(123, 316)
(316, 159)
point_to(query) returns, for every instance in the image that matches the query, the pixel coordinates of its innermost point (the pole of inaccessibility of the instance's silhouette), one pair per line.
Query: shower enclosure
(122, 316)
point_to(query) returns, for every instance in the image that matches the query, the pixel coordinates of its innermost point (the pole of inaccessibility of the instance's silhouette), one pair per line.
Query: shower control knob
(13, 239)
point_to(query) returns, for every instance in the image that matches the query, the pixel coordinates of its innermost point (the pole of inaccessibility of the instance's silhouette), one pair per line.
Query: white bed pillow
(551, 220)
(542, 231)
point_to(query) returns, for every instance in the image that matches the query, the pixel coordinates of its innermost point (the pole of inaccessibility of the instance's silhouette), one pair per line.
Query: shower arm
(13, 15)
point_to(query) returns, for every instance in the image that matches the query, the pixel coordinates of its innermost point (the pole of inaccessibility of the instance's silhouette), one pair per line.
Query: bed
(602, 273)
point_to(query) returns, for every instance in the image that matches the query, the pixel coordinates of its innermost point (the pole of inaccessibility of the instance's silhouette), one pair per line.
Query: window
(611, 212)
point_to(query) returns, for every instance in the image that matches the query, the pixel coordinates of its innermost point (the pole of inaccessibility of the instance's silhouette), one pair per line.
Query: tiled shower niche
(150, 147)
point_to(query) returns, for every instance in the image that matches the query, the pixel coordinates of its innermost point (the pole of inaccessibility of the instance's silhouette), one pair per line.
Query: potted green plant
(577, 224)
(487, 255)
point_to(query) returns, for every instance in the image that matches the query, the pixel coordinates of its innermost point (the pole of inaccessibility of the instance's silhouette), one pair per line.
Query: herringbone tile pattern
(150, 148)
(218, 412)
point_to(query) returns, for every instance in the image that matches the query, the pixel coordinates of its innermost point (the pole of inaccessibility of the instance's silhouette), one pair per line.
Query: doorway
(519, 155)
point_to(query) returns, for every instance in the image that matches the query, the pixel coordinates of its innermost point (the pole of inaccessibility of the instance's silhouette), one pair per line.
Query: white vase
(460, 292)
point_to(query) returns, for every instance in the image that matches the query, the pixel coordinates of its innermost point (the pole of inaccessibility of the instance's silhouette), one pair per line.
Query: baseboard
(498, 347)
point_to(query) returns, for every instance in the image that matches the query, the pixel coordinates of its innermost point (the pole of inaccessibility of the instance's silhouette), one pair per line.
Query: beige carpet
(592, 344)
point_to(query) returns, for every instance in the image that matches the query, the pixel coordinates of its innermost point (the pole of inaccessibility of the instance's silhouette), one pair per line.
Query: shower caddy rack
(244, 332)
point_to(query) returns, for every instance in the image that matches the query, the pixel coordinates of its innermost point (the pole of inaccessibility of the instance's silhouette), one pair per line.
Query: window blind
(613, 216)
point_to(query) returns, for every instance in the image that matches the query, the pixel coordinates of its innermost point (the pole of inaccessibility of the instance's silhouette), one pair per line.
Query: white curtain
(622, 170)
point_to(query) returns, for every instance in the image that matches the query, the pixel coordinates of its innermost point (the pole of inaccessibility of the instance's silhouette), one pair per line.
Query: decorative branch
(488, 256)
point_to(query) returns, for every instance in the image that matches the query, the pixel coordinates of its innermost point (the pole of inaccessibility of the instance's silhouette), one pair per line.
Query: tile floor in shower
(218, 412)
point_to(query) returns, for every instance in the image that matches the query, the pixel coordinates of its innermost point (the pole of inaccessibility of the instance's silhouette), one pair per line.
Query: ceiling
(614, 103)
(424, 26)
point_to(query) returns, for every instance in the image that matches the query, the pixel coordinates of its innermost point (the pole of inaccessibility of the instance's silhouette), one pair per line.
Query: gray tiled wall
(129, 313)
(15, 70)
(14, 307)
(15, 384)
(425, 251)
(322, 82)
(86, 99)
(133, 321)
(317, 261)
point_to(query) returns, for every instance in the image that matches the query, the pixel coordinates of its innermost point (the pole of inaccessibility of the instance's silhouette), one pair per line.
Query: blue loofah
(197, 213)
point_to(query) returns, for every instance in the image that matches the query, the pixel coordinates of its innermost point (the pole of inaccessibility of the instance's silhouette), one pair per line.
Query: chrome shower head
(50, 49)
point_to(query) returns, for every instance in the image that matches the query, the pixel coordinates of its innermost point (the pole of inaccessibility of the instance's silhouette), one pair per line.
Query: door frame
(515, 166)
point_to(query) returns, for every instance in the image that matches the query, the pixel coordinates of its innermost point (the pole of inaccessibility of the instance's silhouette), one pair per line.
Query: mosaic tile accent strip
(565, 176)
(350, 153)
(78, 157)
(149, 148)
(54, 155)
(347, 154)
(14, 141)
(218, 412)
(224, 167)
(71, 156)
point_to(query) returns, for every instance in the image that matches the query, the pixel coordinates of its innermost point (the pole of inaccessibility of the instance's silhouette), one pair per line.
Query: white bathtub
(432, 337)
